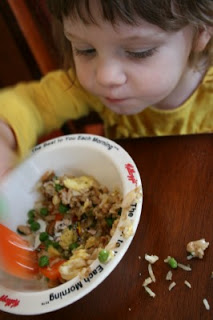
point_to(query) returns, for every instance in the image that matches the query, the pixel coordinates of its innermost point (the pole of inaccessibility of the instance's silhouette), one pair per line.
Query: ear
(203, 36)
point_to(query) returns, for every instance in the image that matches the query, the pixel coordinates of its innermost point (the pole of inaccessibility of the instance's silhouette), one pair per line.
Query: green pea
(43, 236)
(55, 244)
(43, 261)
(62, 208)
(110, 221)
(35, 226)
(103, 255)
(73, 246)
(44, 211)
(31, 213)
(58, 187)
(48, 243)
(84, 216)
(173, 263)
(30, 220)
(119, 211)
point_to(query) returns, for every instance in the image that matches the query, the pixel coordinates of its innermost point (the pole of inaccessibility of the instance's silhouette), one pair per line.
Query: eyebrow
(130, 38)
(141, 38)
(149, 36)
(70, 35)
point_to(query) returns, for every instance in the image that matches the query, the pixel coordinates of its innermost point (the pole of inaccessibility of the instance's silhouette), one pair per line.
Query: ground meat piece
(196, 248)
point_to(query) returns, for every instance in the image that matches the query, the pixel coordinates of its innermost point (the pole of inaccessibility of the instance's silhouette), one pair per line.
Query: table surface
(177, 178)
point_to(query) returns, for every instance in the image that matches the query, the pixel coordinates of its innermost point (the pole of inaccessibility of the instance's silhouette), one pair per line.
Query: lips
(113, 100)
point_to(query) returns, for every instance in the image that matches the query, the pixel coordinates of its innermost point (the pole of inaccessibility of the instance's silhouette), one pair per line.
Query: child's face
(131, 67)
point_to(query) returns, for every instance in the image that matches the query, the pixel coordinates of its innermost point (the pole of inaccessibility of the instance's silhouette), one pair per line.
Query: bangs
(114, 11)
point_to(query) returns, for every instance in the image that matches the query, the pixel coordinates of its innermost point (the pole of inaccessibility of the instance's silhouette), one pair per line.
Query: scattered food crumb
(197, 248)
(147, 281)
(206, 304)
(169, 275)
(174, 264)
(151, 272)
(184, 267)
(187, 284)
(167, 259)
(151, 258)
(150, 292)
(172, 285)
(190, 257)
(171, 261)
(130, 309)
(140, 274)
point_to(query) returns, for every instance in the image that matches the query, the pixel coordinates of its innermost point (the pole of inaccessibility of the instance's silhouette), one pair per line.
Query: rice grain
(147, 281)
(184, 267)
(151, 258)
(150, 292)
(206, 304)
(152, 276)
(187, 284)
(172, 285)
(169, 275)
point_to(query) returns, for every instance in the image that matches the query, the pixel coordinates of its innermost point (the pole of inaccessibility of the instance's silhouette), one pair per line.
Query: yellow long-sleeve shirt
(38, 107)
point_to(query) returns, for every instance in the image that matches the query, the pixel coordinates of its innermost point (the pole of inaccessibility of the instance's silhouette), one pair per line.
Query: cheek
(84, 74)
(159, 78)
(155, 83)
(162, 81)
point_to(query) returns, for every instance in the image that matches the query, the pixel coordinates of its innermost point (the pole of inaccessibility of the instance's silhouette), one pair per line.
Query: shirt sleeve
(36, 108)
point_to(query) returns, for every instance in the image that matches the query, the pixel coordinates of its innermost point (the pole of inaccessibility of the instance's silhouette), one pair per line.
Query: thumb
(8, 160)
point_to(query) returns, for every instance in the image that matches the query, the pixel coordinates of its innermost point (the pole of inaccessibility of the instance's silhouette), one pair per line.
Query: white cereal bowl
(78, 154)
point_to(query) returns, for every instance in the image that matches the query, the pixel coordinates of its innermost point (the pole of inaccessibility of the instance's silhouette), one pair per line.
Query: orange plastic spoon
(16, 256)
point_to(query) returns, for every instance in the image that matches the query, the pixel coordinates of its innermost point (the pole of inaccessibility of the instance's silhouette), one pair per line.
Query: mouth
(114, 101)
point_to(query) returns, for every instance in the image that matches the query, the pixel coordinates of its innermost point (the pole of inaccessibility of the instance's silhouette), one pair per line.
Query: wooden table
(177, 177)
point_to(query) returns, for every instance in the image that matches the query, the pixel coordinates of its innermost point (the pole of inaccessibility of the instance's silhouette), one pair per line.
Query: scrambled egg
(67, 237)
(79, 183)
(127, 229)
(73, 267)
(92, 241)
(52, 252)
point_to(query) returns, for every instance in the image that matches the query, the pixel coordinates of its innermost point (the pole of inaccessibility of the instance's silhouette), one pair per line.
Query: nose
(110, 73)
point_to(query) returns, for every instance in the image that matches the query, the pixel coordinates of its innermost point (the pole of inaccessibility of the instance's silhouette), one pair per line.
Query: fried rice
(70, 225)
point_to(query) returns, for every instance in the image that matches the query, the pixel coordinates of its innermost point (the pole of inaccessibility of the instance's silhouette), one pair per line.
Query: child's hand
(7, 149)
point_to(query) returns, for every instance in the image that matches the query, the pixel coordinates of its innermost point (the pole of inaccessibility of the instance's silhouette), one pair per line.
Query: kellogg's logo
(12, 303)
(131, 173)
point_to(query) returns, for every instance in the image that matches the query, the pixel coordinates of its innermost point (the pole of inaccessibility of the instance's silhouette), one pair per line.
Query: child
(145, 66)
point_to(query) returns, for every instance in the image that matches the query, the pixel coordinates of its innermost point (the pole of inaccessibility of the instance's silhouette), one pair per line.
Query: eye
(87, 52)
(141, 54)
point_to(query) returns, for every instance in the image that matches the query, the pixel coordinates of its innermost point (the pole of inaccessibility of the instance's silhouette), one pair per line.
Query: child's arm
(39, 107)
(7, 148)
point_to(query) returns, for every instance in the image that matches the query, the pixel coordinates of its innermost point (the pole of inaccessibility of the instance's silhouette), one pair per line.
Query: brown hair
(169, 15)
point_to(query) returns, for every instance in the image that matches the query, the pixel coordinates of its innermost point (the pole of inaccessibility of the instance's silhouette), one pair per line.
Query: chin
(126, 110)
(126, 107)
